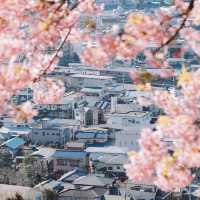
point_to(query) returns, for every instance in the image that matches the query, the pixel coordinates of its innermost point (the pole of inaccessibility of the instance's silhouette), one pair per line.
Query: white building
(127, 127)
(53, 132)
(84, 80)
(64, 108)
(87, 116)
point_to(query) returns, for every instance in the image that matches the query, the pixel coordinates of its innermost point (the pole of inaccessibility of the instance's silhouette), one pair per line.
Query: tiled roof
(93, 180)
(86, 193)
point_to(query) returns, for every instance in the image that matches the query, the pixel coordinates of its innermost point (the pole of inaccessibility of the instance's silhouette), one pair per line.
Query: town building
(51, 132)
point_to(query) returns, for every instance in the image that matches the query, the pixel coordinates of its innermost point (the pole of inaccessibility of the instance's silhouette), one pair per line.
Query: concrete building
(65, 161)
(126, 127)
(87, 116)
(111, 165)
(50, 132)
(64, 109)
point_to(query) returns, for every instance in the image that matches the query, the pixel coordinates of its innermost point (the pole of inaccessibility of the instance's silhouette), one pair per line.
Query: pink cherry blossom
(48, 91)
(22, 113)
(140, 169)
(95, 57)
(171, 176)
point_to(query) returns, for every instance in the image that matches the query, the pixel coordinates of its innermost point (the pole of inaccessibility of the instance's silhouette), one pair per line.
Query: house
(64, 160)
(13, 145)
(72, 175)
(96, 180)
(50, 133)
(43, 153)
(87, 115)
(64, 108)
(127, 127)
(53, 185)
(132, 119)
(111, 165)
(141, 191)
(87, 192)
(10, 130)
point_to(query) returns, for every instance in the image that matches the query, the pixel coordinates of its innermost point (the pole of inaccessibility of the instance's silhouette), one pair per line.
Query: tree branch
(44, 72)
(186, 14)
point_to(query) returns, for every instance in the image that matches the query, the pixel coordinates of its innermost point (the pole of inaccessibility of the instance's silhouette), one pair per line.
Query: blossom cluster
(143, 30)
(28, 28)
(166, 165)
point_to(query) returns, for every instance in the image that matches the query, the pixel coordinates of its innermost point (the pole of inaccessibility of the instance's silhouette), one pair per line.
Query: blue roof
(101, 135)
(14, 143)
(80, 135)
(69, 154)
(89, 135)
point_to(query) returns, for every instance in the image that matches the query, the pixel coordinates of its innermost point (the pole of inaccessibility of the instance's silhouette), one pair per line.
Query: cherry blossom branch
(186, 14)
(44, 72)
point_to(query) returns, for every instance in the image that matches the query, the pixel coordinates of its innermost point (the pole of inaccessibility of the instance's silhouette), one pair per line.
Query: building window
(61, 162)
(74, 163)
(118, 167)
(110, 168)
(47, 133)
(43, 133)
(58, 134)
(36, 133)
(53, 133)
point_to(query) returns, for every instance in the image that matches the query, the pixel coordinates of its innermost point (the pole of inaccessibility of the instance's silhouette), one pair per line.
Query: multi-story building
(52, 132)
(64, 109)
(68, 160)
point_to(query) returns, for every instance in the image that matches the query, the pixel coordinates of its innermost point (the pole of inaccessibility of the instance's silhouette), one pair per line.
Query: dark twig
(45, 70)
(186, 15)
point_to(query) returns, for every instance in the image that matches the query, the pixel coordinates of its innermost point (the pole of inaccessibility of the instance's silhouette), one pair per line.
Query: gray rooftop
(93, 180)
